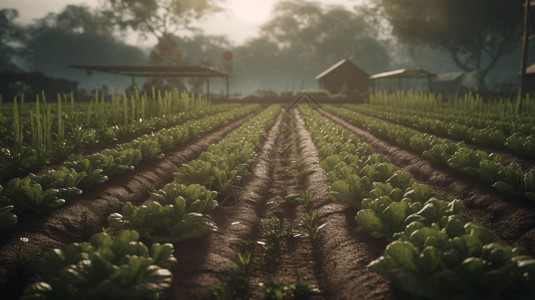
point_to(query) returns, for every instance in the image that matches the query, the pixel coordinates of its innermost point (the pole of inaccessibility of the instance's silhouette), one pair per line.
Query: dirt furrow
(343, 253)
(203, 263)
(513, 220)
(87, 213)
(284, 248)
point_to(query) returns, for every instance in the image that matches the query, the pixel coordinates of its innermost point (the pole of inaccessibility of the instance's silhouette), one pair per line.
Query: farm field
(399, 198)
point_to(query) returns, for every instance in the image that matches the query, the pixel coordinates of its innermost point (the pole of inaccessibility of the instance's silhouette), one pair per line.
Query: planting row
(171, 217)
(489, 168)
(432, 252)
(52, 136)
(518, 140)
(469, 105)
(40, 193)
(121, 266)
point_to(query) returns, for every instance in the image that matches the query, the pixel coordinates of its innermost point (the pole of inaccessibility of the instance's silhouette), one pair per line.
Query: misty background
(277, 46)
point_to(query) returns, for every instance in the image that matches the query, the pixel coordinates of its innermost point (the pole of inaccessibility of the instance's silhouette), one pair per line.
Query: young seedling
(239, 276)
(20, 253)
(86, 228)
(302, 290)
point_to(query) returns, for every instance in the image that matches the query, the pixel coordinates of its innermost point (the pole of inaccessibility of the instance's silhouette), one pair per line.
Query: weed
(86, 228)
(20, 252)
(219, 291)
(312, 230)
(300, 290)
(271, 164)
(285, 149)
(274, 291)
(239, 276)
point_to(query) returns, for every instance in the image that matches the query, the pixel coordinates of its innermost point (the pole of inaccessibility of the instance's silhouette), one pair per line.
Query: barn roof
(404, 73)
(146, 71)
(336, 66)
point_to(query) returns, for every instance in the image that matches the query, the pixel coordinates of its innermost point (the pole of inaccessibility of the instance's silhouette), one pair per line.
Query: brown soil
(337, 266)
(18, 262)
(512, 219)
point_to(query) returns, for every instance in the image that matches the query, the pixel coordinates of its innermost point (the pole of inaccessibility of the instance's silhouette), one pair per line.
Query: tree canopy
(476, 33)
(322, 36)
(157, 17)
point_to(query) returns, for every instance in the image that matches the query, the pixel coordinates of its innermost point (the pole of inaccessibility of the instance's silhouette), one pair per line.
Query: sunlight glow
(256, 12)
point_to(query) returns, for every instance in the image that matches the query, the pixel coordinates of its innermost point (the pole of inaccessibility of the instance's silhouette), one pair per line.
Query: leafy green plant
(105, 267)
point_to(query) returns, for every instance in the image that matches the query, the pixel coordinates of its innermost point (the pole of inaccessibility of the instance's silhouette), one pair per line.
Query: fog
(284, 52)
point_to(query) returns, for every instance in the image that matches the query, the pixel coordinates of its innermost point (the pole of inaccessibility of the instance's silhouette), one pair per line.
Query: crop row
(54, 135)
(468, 105)
(40, 193)
(489, 168)
(121, 266)
(432, 253)
(520, 141)
(217, 169)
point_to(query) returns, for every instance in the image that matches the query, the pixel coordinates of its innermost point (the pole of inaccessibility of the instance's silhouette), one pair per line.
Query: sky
(240, 21)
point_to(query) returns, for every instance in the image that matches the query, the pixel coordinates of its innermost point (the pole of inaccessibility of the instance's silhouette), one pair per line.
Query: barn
(344, 73)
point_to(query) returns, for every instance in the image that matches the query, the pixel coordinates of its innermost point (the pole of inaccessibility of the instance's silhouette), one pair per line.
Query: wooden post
(208, 87)
(429, 83)
(228, 95)
(525, 48)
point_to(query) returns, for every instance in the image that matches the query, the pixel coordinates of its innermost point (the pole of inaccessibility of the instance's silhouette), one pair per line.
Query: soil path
(203, 263)
(513, 220)
(337, 266)
(18, 263)
(343, 253)
(292, 252)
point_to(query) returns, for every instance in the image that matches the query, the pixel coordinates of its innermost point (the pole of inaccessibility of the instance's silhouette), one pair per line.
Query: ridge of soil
(512, 220)
(338, 266)
(524, 162)
(204, 262)
(343, 253)
(64, 225)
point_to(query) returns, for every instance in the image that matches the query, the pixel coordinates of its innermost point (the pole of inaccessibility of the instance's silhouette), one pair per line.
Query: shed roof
(531, 69)
(404, 73)
(145, 71)
(336, 66)
(449, 76)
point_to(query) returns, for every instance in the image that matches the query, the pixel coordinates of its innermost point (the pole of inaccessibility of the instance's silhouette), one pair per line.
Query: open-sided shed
(343, 73)
(158, 71)
(399, 75)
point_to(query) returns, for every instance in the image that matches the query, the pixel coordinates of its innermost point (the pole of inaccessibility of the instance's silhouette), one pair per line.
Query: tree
(77, 35)
(475, 33)
(10, 34)
(158, 18)
(321, 36)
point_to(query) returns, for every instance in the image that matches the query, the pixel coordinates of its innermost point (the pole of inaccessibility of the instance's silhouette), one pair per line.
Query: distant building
(344, 73)
(453, 83)
(402, 80)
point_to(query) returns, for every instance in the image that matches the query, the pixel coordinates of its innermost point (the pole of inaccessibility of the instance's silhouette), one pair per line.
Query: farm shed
(456, 82)
(343, 73)
(398, 76)
(159, 71)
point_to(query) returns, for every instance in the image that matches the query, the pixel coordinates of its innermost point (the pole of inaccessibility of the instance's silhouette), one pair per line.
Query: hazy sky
(239, 22)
